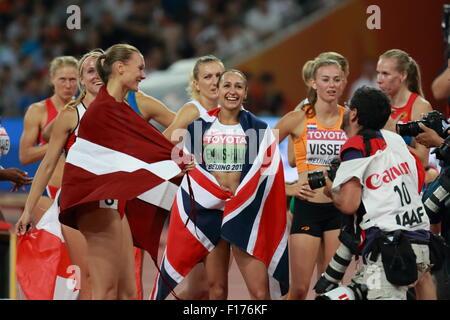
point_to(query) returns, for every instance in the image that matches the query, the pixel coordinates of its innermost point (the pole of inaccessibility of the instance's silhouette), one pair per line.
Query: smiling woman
(64, 130)
(238, 204)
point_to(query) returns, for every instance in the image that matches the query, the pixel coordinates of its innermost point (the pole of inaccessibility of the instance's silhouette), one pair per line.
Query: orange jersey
(318, 145)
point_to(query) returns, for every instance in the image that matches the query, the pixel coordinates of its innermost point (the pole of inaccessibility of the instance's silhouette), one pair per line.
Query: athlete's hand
(25, 223)
(190, 166)
(304, 192)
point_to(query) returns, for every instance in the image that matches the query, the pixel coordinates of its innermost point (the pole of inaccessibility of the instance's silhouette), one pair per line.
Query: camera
(316, 179)
(328, 288)
(329, 280)
(350, 239)
(440, 196)
(433, 120)
(354, 291)
(443, 152)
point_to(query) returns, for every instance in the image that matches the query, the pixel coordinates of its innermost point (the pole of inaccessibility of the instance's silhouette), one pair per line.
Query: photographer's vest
(391, 180)
(318, 145)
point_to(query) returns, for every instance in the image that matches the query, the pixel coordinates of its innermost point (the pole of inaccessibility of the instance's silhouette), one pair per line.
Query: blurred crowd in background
(33, 32)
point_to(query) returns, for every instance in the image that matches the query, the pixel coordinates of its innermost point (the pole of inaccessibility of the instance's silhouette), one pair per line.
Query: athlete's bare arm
(32, 122)
(64, 124)
(48, 131)
(290, 124)
(152, 108)
(441, 85)
(183, 118)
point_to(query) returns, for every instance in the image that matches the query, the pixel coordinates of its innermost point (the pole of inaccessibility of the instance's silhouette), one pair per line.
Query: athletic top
(406, 110)
(51, 114)
(391, 178)
(131, 99)
(201, 109)
(81, 109)
(224, 147)
(318, 145)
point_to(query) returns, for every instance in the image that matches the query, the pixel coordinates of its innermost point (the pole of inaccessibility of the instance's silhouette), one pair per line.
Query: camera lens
(316, 180)
(410, 129)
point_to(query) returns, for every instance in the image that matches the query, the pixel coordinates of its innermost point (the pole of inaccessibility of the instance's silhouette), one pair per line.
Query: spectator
(262, 19)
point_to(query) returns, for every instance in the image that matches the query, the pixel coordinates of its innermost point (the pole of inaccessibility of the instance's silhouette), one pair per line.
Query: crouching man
(379, 176)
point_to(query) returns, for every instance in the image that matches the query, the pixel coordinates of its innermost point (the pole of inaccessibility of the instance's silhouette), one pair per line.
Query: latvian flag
(254, 219)
(43, 265)
(118, 155)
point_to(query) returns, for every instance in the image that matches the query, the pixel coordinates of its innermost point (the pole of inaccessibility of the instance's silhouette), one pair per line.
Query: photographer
(376, 163)
(436, 202)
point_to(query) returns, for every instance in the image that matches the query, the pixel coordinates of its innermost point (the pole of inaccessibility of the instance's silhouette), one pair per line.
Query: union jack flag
(254, 219)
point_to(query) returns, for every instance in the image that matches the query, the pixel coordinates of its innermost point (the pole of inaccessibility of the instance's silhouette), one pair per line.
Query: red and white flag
(43, 266)
(119, 155)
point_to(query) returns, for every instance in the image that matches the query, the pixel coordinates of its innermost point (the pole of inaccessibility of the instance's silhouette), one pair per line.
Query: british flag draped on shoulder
(118, 155)
(254, 219)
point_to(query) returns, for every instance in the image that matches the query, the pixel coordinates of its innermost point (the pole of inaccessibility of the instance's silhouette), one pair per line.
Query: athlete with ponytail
(399, 78)
(315, 219)
(63, 136)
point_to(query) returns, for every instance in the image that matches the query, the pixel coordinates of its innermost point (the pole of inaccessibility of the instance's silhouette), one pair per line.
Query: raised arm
(28, 151)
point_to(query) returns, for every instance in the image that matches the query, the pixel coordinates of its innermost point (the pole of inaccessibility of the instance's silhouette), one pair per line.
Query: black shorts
(315, 218)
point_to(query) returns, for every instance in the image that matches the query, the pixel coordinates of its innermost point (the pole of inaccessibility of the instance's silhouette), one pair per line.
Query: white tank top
(81, 109)
(390, 187)
(201, 109)
(224, 147)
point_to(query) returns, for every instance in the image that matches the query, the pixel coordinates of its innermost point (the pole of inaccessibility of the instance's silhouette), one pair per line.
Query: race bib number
(324, 146)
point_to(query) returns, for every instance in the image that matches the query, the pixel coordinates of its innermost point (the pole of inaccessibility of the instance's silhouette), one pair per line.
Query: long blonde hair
(406, 64)
(93, 53)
